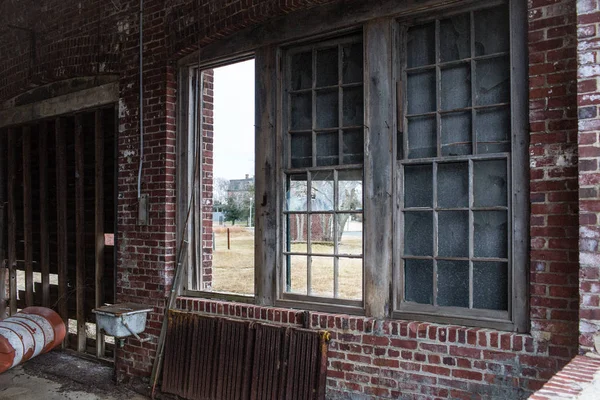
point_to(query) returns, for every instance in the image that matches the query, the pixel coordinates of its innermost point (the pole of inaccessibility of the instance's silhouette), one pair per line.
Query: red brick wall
(588, 100)
(208, 178)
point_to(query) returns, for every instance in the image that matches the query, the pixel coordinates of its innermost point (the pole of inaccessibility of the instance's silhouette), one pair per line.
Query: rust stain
(7, 354)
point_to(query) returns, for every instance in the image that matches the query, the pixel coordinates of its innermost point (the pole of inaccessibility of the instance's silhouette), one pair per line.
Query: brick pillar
(588, 99)
(207, 178)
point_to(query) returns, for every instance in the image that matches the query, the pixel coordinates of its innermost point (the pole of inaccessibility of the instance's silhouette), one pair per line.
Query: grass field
(233, 270)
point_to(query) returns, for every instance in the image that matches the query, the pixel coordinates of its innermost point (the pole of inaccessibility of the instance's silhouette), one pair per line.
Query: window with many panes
(322, 230)
(454, 165)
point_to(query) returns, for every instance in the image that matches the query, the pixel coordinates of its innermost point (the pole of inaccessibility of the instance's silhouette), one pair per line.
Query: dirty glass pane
(350, 278)
(453, 283)
(322, 276)
(456, 87)
(327, 148)
(453, 234)
(418, 233)
(327, 67)
(353, 146)
(418, 185)
(350, 229)
(491, 234)
(422, 137)
(327, 108)
(492, 126)
(399, 144)
(489, 148)
(301, 111)
(296, 268)
(456, 134)
(301, 150)
(491, 31)
(421, 92)
(352, 63)
(453, 185)
(455, 39)
(297, 228)
(321, 233)
(352, 111)
(493, 81)
(297, 195)
(421, 45)
(301, 71)
(490, 285)
(418, 281)
(490, 183)
(350, 190)
(322, 191)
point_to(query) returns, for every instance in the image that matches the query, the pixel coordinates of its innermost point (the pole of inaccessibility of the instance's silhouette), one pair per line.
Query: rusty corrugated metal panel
(230, 363)
(268, 364)
(306, 356)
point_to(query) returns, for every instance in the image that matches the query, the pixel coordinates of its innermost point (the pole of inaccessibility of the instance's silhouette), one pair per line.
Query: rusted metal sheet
(210, 357)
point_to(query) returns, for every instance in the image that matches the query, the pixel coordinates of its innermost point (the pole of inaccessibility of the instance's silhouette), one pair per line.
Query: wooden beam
(99, 225)
(44, 243)
(12, 227)
(80, 234)
(27, 216)
(61, 219)
(3, 269)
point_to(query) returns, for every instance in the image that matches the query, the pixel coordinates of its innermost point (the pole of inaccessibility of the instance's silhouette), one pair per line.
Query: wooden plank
(12, 227)
(80, 233)
(99, 222)
(3, 270)
(378, 187)
(27, 216)
(44, 235)
(265, 233)
(61, 218)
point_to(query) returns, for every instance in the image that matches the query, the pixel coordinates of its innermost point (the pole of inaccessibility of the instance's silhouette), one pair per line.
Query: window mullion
(471, 233)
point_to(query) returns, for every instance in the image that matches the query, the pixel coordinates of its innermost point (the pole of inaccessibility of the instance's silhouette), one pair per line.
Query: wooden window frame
(379, 21)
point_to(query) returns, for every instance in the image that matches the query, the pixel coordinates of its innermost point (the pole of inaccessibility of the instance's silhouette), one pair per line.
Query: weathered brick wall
(588, 100)
(208, 102)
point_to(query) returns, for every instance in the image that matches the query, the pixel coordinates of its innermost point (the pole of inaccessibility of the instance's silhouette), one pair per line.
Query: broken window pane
(301, 71)
(490, 183)
(297, 192)
(297, 228)
(350, 278)
(350, 190)
(353, 146)
(453, 185)
(301, 110)
(418, 185)
(421, 45)
(456, 134)
(418, 281)
(492, 127)
(456, 87)
(453, 233)
(327, 108)
(453, 283)
(327, 148)
(491, 234)
(493, 81)
(455, 36)
(350, 233)
(322, 191)
(422, 137)
(421, 92)
(327, 67)
(322, 276)
(296, 268)
(418, 233)
(352, 111)
(490, 285)
(301, 150)
(491, 31)
(352, 67)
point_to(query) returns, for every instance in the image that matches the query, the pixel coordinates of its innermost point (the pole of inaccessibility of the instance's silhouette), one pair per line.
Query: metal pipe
(141, 112)
(32, 331)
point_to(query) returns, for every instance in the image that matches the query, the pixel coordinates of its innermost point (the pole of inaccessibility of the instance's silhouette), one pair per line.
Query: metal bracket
(132, 332)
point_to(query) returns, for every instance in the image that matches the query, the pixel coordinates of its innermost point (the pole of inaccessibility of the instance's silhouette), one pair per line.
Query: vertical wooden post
(44, 244)
(27, 216)
(80, 234)
(12, 227)
(228, 240)
(3, 269)
(61, 218)
(99, 225)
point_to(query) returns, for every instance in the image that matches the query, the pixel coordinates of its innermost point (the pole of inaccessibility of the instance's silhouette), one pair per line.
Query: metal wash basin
(122, 320)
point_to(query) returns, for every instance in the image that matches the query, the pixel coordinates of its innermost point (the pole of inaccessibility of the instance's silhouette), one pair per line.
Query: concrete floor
(60, 375)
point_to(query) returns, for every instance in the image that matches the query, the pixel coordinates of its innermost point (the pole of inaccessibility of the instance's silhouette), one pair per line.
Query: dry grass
(233, 270)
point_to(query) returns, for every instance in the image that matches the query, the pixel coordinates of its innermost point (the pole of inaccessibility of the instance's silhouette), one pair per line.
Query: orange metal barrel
(32, 331)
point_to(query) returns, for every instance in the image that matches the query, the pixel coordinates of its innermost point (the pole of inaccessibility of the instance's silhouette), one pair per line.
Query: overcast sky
(234, 121)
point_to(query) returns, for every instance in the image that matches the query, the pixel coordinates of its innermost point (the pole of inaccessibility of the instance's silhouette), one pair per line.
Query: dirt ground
(59, 375)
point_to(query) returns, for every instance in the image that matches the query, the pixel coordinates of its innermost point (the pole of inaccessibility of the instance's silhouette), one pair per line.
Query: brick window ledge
(580, 379)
